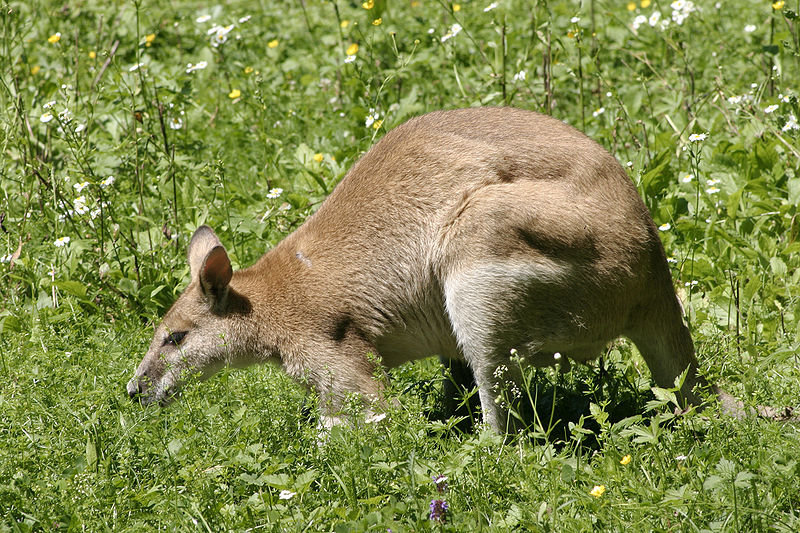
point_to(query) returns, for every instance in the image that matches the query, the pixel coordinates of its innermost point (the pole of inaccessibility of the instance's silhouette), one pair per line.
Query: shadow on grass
(556, 404)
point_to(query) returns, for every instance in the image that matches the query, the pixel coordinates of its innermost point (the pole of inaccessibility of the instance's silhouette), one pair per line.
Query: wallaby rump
(463, 234)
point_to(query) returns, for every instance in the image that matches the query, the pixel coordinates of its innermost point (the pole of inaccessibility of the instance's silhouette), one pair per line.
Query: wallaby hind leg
(666, 345)
(491, 311)
(520, 272)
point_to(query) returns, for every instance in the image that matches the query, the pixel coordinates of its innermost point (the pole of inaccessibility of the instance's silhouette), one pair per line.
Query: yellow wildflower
(318, 158)
(345, 23)
(778, 5)
(273, 43)
(92, 54)
(248, 70)
(645, 4)
(456, 8)
(53, 39)
(598, 490)
(377, 22)
(236, 93)
(149, 39)
(352, 49)
(631, 6)
(35, 69)
(369, 4)
(414, 3)
(377, 124)
(625, 460)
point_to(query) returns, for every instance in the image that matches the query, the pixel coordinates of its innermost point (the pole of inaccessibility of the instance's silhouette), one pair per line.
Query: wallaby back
(464, 234)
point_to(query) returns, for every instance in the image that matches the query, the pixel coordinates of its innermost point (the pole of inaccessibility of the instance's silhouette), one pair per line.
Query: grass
(253, 137)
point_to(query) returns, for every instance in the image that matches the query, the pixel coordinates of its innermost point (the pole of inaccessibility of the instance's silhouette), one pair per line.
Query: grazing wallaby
(463, 233)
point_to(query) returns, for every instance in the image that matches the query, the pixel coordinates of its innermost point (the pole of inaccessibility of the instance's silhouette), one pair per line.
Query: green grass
(278, 107)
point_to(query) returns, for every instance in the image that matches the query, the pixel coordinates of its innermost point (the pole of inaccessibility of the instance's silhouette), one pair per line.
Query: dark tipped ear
(209, 262)
(216, 272)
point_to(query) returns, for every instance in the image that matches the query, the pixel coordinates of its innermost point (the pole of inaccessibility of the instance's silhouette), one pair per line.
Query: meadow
(125, 125)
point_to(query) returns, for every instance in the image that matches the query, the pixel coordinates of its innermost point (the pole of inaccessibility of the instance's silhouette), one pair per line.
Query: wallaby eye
(175, 338)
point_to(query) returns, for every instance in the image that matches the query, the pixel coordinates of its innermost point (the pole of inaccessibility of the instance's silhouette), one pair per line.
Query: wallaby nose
(135, 389)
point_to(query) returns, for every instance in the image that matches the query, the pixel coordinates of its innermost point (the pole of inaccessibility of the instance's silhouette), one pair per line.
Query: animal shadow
(547, 408)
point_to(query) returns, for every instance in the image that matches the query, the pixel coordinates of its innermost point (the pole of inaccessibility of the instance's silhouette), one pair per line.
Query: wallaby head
(201, 332)
(470, 234)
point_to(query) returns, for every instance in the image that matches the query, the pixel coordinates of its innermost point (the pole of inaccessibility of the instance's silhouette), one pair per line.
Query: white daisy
(454, 30)
(219, 34)
(199, 66)
(791, 124)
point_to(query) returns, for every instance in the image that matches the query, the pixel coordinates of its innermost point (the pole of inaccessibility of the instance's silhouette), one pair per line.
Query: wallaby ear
(209, 262)
(216, 272)
(203, 241)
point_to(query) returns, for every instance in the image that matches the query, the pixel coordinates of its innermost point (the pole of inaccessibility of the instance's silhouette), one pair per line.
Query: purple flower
(439, 511)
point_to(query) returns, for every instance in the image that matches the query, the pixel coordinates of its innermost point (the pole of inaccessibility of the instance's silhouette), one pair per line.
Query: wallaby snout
(468, 234)
(140, 389)
(151, 383)
(136, 388)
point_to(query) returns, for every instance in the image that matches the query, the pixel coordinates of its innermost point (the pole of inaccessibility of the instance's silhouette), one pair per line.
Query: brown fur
(462, 233)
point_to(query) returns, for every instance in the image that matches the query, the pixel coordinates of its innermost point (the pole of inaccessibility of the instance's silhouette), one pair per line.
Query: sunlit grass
(126, 125)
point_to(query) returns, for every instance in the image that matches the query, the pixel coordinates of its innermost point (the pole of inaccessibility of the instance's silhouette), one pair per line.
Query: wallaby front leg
(350, 376)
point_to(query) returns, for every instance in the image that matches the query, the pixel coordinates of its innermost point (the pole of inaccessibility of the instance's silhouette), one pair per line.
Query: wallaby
(463, 234)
